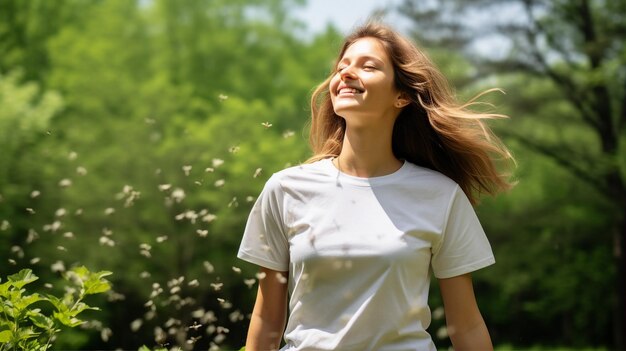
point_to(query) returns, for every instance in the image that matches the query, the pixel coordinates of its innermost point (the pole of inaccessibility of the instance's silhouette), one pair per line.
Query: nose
(347, 73)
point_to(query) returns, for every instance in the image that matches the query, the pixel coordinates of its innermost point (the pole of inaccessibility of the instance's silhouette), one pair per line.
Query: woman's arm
(268, 317)
(466, 326)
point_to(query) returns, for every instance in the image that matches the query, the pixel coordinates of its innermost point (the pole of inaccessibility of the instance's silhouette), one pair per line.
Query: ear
(401, 101)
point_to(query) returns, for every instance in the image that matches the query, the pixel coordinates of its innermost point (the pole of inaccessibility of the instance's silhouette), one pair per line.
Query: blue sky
(345, 14)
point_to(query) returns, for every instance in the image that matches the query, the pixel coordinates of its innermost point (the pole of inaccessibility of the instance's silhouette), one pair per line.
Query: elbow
(474, 336)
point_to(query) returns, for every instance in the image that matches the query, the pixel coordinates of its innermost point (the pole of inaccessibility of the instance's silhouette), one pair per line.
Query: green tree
(26, 27)
(157, 95)
(26, 117)
(570, 52)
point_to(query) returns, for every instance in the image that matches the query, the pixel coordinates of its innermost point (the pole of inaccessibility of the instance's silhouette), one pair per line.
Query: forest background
(136, 135)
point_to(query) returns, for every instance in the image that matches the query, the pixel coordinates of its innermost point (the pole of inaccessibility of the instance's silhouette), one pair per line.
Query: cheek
(333, 85)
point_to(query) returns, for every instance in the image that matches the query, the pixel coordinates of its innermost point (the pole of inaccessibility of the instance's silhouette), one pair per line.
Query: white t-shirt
(359, 252)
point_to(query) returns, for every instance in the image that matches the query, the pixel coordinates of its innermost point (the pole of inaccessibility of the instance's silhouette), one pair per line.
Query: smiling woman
(363, 87)
(347, 241)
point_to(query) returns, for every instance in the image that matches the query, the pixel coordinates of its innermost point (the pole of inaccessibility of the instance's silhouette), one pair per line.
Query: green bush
(25, 327)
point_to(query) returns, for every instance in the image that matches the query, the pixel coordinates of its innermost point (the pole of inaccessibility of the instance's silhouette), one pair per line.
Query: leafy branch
(23, 327)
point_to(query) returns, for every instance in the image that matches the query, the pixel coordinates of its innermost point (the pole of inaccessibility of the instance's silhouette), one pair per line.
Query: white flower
(438, 313)
(281, 278)
(144, 275)
(235, 316)
(186, 169)
(55, 226)
(104, 240)
(58, 266)
(178, 194)
(164, 187)
(208, 266)
(209, 218)
(136, 324)
(442, 333)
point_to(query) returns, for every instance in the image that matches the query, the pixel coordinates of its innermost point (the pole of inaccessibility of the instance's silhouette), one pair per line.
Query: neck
(367, 153)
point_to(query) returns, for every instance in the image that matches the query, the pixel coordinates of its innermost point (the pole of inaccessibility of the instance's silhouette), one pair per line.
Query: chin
(344, 109)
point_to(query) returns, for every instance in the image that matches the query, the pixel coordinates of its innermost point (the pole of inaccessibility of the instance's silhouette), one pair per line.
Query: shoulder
(428, 179)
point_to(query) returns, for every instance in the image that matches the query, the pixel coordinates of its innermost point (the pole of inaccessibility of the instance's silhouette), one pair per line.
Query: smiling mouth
(348, 90)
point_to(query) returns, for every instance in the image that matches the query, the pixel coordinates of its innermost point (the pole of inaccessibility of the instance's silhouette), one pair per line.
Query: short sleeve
(264, 241)
(463, 247)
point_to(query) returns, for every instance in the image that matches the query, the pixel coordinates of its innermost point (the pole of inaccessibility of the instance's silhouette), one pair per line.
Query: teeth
(349, 90)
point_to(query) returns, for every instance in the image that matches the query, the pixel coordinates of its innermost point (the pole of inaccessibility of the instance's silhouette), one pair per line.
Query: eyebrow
(364, 58)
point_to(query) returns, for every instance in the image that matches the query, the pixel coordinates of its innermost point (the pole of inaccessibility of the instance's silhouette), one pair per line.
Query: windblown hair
(433, 130)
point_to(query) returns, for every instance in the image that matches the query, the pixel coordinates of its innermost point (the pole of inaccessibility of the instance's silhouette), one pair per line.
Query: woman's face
(362, 89)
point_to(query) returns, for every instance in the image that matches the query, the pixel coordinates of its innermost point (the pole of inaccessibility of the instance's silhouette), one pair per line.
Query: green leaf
(41, 320)
(28, 300)
(96, 287)
(8, 309)
(5, 336)
(82, 272)
(4, 289)
(80, 307)
(102, 274)
(23, 277)
(67, 320)
(26, 333)
(57, 303)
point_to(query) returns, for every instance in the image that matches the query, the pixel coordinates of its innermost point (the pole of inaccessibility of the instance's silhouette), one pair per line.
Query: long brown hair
(433, 131)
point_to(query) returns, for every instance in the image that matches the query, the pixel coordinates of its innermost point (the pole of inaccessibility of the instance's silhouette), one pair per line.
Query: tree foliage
(136, 135)
(563, 65)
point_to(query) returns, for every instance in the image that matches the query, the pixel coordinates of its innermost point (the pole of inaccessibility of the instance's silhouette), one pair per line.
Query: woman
(346, 242)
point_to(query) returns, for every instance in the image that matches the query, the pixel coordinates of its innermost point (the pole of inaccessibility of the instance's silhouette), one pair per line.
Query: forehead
(366, 47)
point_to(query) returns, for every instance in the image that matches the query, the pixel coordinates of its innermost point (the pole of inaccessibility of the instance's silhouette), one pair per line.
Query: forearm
(466, 326)
(264, 334)
(474, 338)
(268, 316)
